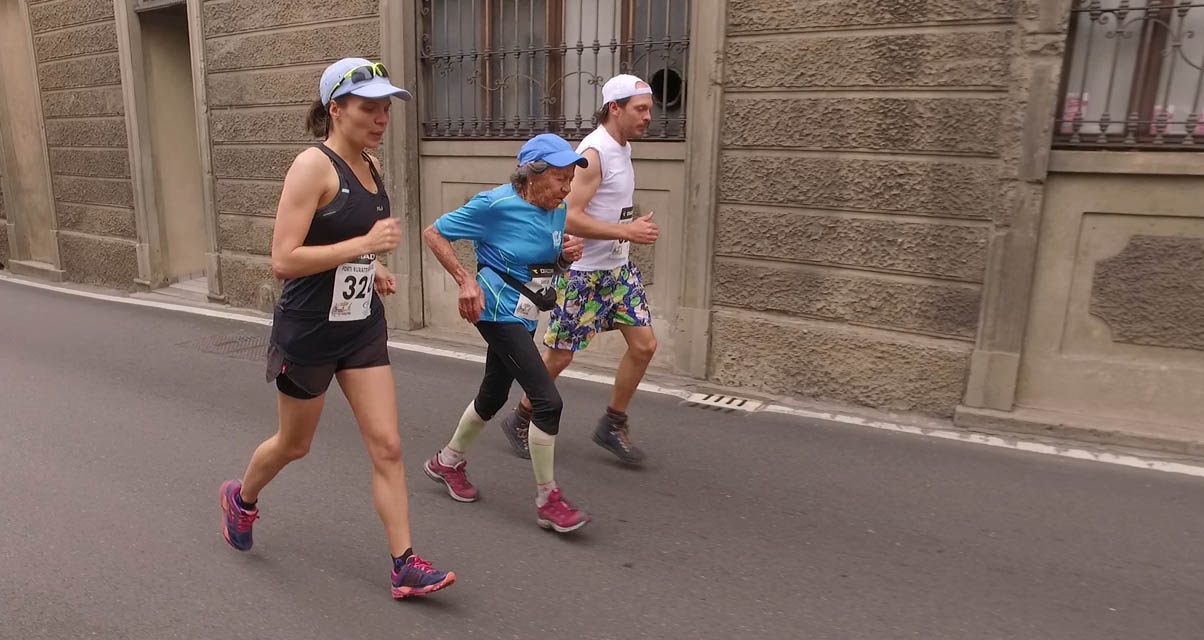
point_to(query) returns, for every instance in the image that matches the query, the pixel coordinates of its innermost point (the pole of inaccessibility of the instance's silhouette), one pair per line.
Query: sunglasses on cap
(362, 73)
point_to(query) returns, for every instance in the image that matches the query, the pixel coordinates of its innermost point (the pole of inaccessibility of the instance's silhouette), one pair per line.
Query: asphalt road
(116, 428)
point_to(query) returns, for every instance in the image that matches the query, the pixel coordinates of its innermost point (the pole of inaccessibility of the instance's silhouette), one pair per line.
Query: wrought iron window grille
(509, 69)
(1133, 76)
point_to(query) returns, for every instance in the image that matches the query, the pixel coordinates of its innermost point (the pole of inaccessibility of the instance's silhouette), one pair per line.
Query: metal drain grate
(241, 347)
(723, 402)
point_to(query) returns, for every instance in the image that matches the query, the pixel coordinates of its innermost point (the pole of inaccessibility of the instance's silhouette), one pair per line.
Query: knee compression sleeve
(467, 429)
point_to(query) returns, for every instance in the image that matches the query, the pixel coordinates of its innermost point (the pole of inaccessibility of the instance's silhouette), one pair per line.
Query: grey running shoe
(615, 439)
(516, 429)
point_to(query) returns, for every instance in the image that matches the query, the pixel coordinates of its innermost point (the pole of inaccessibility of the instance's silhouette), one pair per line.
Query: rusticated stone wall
(865, 160)
(75, 43)
(263, 60)
(1152, 293)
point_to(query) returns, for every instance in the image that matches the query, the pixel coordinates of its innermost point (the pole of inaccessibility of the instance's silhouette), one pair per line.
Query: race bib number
(541, 283)
(352, 295)
(622, 248)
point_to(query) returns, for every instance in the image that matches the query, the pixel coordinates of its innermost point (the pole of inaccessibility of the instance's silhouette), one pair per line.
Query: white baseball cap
(373, 86)
(624, 86)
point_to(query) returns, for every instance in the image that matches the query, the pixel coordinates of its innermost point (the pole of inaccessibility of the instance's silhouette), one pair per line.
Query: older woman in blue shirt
(517, 230)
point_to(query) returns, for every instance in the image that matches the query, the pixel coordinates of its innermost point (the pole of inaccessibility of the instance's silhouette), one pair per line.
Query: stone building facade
(69, 203)
(858, 193)
(889, 205)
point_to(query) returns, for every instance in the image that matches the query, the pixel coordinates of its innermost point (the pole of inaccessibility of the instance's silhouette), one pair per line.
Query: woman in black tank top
(325, 316)
(332, 222)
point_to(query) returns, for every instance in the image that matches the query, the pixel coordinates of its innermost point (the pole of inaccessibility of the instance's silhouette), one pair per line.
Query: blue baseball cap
(551, 149)
(374, 87)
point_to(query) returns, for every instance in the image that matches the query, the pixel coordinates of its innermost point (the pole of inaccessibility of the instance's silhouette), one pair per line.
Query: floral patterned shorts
(590, 302)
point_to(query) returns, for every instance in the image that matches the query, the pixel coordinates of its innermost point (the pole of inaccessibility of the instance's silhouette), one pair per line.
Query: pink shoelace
(557, 504)
(243, 519)
(421, 565)
(457, 475)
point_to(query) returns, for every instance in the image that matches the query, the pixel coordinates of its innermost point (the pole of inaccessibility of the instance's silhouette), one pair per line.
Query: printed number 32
(352, 282)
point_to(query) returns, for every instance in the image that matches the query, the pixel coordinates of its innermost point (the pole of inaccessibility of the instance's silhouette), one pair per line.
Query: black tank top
(301, 327)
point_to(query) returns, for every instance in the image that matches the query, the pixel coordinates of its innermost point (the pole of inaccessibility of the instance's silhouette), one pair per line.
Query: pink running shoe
(236, 521)
(417, 578)
(557, 514)
(453, 477)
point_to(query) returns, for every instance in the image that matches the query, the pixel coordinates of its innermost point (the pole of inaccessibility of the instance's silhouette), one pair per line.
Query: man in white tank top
(603, 291)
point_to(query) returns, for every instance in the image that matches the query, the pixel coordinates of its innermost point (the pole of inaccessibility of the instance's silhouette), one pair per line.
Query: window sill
(640, 150)
(1166, 163)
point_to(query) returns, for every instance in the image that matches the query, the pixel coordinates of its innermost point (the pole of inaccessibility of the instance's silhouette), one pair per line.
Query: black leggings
(513, 356)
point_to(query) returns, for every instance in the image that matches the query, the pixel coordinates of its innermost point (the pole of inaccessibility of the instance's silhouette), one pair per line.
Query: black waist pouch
(543, 298)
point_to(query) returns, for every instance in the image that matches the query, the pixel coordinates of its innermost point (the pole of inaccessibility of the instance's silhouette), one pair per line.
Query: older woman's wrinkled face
(546, 190)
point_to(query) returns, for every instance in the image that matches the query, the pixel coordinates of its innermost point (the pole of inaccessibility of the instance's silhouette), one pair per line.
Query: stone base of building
(1163, 438)
(39, 270)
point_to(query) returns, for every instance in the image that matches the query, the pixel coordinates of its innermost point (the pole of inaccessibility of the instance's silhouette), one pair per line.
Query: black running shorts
(307, 381)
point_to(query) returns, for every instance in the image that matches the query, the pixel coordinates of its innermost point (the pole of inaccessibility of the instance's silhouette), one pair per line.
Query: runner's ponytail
(317, 120)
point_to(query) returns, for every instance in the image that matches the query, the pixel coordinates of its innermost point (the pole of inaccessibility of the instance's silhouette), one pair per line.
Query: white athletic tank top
(611, 203)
